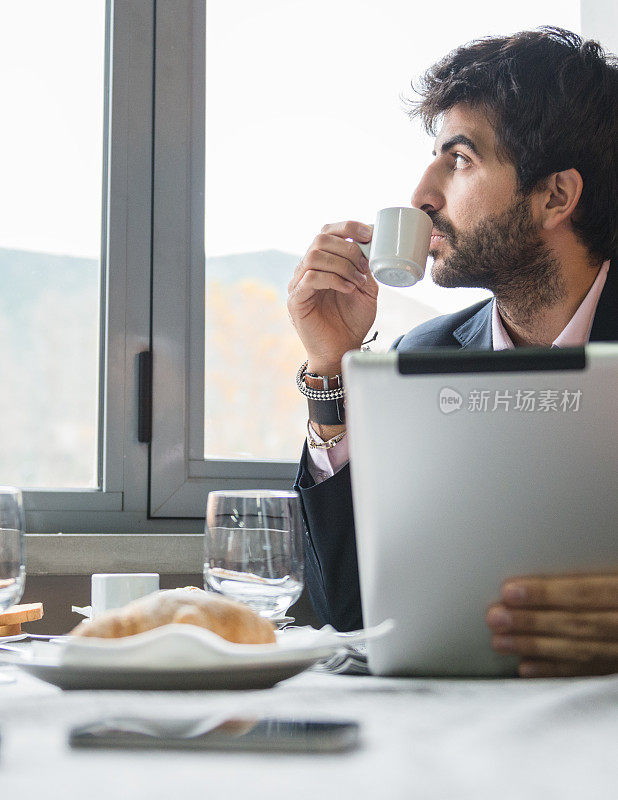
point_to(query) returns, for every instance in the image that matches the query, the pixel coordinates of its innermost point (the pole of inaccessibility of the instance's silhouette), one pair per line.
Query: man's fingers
(560, 625)
(331, 252)
(565, 669)
(350, 264)
(327, 243)
(327, 262)
(577, 624)
(562, 591)
(349, 230)
(555, 648)
(313, 280)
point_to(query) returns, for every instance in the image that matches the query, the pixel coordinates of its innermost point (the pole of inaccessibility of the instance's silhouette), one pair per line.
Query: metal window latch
(144, 396)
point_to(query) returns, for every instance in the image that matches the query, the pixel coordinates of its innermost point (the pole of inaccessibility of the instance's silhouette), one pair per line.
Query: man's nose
(427, 195)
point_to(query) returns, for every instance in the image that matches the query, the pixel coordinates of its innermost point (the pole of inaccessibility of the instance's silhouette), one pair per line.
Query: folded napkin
(85, 611)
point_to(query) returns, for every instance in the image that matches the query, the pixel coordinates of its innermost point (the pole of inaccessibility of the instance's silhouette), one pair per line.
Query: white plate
(253, 677)
(179, 657)
(172, 657)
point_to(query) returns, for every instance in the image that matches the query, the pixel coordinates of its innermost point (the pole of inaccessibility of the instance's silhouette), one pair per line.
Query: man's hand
(332, 297)
(560, 625)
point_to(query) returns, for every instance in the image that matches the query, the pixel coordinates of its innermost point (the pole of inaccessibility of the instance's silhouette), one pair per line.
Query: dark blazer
(331, 568)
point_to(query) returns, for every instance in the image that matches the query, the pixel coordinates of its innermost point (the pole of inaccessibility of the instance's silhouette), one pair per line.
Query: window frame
(180, 476)
(120, 501)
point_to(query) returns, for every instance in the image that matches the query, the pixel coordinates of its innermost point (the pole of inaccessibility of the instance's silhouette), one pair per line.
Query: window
(50, 240)
(86, 80)
(132, 185)
(304, 125)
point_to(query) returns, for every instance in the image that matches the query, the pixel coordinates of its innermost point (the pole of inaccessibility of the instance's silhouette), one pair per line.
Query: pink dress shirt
(324, 464)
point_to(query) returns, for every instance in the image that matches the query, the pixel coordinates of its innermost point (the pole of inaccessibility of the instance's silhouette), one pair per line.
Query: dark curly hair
(552, 100)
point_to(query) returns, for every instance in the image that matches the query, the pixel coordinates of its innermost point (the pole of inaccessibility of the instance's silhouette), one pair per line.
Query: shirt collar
(577, 330)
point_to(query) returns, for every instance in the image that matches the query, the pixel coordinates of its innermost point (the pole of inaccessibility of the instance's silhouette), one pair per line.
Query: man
(522, 192)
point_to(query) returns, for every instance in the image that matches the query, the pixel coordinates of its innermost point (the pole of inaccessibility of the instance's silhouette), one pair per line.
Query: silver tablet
(469, 467)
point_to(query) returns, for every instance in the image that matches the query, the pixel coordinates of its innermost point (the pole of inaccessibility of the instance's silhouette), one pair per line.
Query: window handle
(144, 396)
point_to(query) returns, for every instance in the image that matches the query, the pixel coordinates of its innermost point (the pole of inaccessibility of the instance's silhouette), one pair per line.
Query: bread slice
(16, 615)
(10, 630)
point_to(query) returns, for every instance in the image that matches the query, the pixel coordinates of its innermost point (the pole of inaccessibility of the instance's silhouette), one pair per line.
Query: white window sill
(85, 553)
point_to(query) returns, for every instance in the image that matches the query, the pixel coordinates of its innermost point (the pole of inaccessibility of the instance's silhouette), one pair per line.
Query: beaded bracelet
(317, 394)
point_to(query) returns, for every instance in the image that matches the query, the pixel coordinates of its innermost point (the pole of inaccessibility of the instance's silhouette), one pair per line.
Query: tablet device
(470, 467)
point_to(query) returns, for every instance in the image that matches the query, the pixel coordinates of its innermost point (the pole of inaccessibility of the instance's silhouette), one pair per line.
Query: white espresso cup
(399, 246)
(114, 590)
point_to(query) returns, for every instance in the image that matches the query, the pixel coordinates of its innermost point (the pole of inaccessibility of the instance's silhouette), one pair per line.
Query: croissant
(190, 606)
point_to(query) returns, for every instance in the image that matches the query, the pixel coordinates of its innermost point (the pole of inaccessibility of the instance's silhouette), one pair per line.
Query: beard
(504, 254)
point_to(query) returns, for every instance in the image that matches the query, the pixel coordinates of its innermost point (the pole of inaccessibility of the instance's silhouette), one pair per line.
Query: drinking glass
(253, 549)
(12, 551)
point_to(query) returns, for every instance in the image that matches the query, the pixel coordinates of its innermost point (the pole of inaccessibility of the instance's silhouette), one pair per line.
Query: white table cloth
(421, 738)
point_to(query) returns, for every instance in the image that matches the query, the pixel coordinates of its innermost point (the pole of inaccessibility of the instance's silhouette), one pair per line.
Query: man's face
(484, 231)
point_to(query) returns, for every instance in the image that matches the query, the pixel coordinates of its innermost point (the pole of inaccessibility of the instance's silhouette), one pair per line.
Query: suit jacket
(331, 568)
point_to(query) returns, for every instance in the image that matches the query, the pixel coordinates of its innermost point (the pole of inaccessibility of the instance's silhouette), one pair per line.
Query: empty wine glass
(253, 549)
(12, 551)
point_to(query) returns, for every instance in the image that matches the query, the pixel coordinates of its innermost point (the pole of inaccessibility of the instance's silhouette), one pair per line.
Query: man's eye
(460, 161)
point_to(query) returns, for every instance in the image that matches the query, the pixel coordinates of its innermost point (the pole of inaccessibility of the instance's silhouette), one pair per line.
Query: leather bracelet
(326, 412)
(322, 383)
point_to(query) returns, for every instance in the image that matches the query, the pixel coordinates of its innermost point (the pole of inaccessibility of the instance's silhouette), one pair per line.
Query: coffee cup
(399, 246)
(113, 590)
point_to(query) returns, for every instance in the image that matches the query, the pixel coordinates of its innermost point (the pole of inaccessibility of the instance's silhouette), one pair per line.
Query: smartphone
(234, 733)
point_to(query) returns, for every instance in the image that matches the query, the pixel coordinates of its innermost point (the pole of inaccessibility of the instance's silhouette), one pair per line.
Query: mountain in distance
(25, 273)
(274, 267)
(49, 327)
(398, 311)
(26, 277)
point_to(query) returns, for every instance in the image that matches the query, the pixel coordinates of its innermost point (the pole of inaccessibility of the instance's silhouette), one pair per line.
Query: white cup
(399, 246)
(117, 589)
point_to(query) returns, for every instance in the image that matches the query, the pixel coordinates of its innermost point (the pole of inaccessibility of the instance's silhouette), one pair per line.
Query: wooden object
(10, 630)
(17, 615)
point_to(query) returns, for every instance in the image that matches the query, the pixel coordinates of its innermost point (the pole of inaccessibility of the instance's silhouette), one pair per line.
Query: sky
(51, 137)
(304, 118)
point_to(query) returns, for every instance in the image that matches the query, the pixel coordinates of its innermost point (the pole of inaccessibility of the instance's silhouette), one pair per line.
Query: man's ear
(560, 197)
